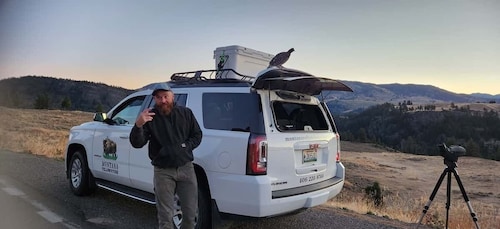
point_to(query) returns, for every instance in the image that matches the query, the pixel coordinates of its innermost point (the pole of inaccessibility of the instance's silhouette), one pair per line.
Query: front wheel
(81, 180)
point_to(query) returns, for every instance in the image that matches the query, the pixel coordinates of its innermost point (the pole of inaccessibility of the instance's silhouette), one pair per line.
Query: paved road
(34, 193)
(18, 211)
(44, 183)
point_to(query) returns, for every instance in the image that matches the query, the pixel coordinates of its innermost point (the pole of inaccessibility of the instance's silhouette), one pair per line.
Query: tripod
(450, 161)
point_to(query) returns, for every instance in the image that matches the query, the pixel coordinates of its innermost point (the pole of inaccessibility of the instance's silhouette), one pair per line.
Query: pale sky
(451, 44)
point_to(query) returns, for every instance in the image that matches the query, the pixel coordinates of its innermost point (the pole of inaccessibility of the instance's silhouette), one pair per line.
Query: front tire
(81, 180)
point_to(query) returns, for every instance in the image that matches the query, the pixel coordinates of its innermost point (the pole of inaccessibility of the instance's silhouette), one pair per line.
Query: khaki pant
(180, 180)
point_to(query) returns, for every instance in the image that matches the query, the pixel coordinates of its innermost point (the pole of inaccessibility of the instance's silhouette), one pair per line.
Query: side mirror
(100, 117)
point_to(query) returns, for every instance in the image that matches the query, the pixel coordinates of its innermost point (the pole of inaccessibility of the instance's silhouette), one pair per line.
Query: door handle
(311, 169)
(124, 137)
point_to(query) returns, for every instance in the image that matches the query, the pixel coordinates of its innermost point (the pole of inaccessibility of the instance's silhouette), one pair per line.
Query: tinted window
(180, 99)
(296, 116)
(233, 111)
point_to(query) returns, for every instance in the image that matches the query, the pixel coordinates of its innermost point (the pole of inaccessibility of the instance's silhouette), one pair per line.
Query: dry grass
(40, 132)
(408, 209)
(406, 180)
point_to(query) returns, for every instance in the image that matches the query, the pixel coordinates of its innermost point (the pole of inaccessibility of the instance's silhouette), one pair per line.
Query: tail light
(337, 158)
(257, 155)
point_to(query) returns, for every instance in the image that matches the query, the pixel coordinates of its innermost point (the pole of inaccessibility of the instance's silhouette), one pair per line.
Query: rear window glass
(233, 111)
(297, 116)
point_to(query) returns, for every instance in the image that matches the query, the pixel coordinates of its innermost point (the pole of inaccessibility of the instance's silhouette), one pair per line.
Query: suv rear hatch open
(303, 143)
(302, 148)
(297, 81)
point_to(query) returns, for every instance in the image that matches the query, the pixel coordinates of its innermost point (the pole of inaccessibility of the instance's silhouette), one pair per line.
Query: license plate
(309, 155)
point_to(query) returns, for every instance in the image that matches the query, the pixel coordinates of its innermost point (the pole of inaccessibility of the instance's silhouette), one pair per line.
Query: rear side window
(233, 111)
(297, 116)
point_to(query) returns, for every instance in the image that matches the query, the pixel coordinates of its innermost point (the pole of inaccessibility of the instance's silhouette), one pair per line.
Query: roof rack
(212, 75)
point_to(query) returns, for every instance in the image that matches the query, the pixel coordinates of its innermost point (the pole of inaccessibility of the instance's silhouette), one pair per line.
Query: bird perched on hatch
(280, 59)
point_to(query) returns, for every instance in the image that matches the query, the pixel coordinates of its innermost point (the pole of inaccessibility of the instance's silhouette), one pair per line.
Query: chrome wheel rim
(76, 173)
(177, 212)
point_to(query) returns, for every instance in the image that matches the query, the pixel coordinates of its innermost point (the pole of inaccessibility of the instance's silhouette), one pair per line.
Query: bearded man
(172, 132)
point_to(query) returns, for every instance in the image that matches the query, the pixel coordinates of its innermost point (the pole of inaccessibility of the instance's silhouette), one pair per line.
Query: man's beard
(166, 108)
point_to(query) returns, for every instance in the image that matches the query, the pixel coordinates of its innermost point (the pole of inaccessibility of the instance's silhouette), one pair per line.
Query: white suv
(269, 146)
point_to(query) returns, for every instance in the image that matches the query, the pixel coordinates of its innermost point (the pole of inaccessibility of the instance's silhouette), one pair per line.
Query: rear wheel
(177, 212)
(203, 213)
(81, 180)
(204, 216)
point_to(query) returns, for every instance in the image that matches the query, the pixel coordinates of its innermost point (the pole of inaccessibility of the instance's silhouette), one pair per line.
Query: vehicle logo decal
(109, 148)
(279, 183)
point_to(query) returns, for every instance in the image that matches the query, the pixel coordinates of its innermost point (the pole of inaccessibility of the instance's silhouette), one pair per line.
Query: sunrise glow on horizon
(453, 45)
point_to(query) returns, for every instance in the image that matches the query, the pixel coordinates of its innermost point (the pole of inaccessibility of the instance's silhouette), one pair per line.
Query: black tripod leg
(431, 198)
(448, 197)
(466, 198)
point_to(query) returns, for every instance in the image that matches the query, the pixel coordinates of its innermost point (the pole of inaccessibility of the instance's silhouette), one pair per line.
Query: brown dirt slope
(410, 179)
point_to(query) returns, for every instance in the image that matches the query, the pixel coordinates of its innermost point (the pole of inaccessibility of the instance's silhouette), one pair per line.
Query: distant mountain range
(486, 96)
(22, 92)
(368, 94)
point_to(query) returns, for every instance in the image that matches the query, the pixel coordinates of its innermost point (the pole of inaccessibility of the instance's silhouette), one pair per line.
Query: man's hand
(144, 117)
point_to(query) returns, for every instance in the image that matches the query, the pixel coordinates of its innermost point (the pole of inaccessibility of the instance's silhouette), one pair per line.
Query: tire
(81, 181)
(204, 216)
(203, 213)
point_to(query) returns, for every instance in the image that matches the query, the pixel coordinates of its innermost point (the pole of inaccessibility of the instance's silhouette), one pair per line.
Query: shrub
(374, 193)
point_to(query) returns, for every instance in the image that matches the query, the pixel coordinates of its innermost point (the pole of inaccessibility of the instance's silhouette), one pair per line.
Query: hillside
(41, 132)
(407, 181)
(30, 91)
(487, 96)
(49, 93)
(366, 95)
(419, 131)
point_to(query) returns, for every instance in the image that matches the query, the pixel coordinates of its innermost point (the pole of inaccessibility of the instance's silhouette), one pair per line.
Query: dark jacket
(172, 137)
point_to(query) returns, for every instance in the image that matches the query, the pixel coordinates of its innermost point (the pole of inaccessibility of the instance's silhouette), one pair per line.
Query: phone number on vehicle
(311, 178)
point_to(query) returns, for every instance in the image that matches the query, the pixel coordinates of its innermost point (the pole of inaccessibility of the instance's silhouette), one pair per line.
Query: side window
(297, 116)
(128, 111)
(179, 99)
(232, 111)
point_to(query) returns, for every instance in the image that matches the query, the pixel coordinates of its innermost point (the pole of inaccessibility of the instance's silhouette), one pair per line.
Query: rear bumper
(252, 195)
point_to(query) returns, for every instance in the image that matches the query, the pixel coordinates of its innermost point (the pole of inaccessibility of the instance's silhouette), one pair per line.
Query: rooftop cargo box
(243, 60)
